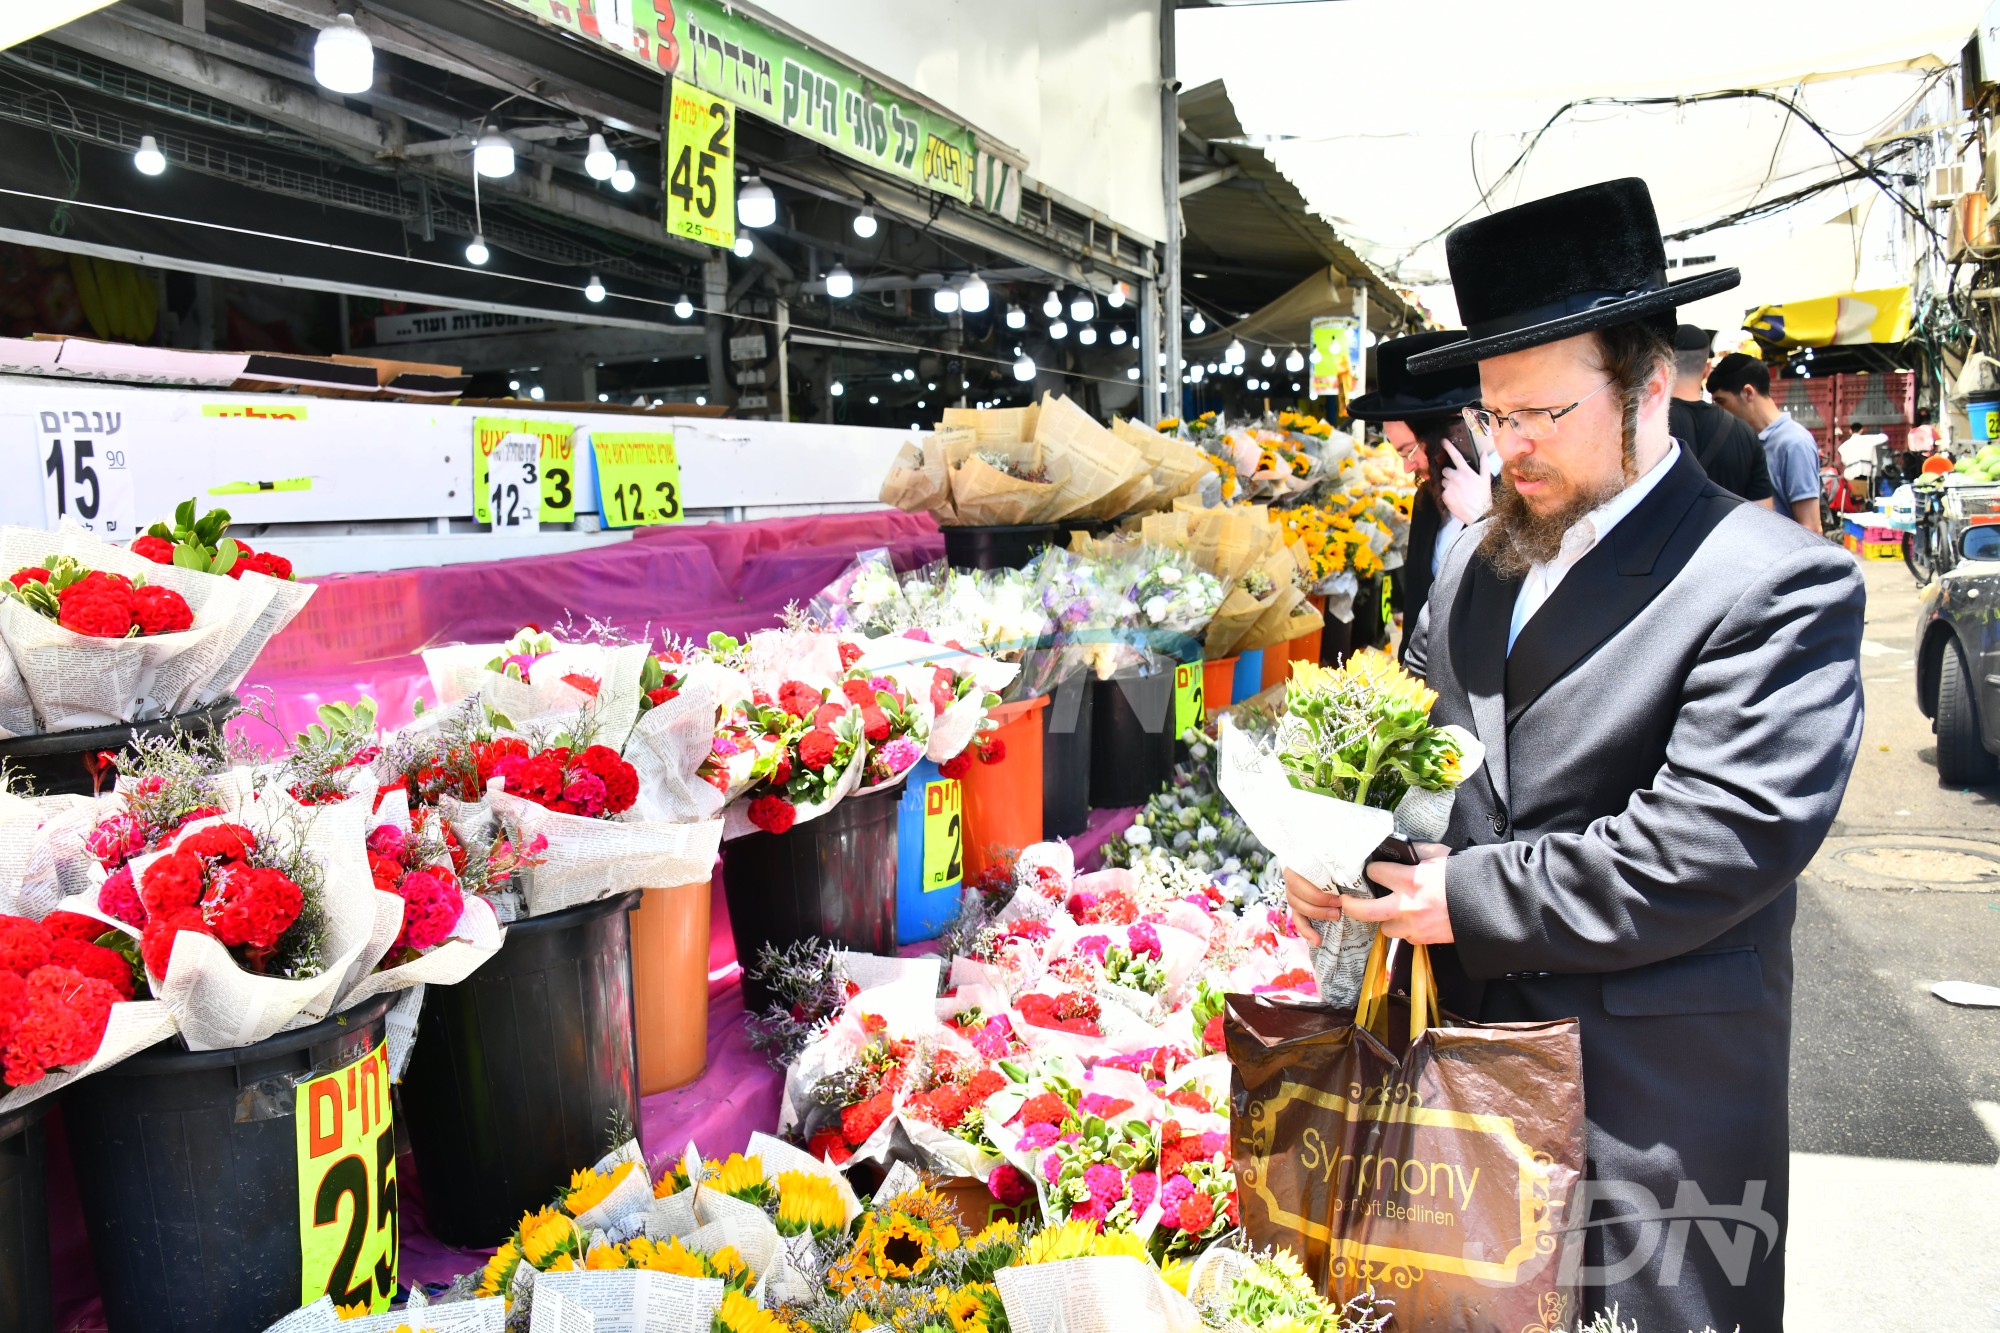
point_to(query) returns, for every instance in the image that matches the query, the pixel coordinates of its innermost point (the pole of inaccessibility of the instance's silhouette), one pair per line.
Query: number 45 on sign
(701, 167)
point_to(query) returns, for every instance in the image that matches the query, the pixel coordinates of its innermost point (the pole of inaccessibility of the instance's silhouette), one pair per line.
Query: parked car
(1958, 660)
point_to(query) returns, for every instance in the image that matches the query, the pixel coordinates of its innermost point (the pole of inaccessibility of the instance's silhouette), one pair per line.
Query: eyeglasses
(1530, 423)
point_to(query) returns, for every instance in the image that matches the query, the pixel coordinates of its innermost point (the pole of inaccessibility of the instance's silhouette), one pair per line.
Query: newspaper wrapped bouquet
(536, 679)
(69, 1004)
(1355, 759)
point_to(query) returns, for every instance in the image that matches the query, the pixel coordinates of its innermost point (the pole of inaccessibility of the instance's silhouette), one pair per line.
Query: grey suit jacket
(1667, 744)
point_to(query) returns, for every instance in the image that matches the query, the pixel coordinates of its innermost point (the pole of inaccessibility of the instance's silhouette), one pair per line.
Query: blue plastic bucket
(1983, 410)
(1249, 676)
(930, 861)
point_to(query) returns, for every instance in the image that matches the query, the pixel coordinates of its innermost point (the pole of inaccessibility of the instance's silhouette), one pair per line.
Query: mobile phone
(1395, 848)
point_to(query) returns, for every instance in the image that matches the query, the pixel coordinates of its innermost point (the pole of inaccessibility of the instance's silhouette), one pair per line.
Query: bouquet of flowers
(1188, 822)
(67, 1005)
(537, 679)
(1355, 759)
(866, 599)
(198, 543)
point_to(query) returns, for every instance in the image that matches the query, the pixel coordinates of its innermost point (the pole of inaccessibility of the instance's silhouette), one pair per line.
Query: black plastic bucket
(1336, 640)
(521, 1070)
(995, 548)
(55, 763)
(1131, 739)
(832, 878)
(187, 1167)
(25, 1301)
(1066, 731)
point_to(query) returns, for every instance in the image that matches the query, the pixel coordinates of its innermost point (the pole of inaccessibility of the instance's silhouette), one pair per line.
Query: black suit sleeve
(1756, 472)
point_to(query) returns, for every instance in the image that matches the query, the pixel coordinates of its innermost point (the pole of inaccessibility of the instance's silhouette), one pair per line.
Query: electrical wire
(887, 344)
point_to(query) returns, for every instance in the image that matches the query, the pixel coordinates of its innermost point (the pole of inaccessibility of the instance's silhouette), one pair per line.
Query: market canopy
(1398, 121)
(1834, 321)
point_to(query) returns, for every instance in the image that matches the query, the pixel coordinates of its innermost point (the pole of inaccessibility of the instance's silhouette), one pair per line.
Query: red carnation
(984, 1084)
(252, 907)
(798, 698)
(829, 1146)
(875, 725)
(539, 779)
(14, 1006)
(773, 814)
(488, 754)
(101, 616)
(160, 610)
(1211, 1034)
(782, 772)
(156, 549)
(943, 695)
(957, 766)
(1009, 1185)
(621, 780)
(219, 842)
(119, 897)
(98, 581)
(859, 693)
(94, 960)
(829, 713)
(24, 945)
(261, 562)
(991, 749)
(1197, 1210)
(173, 881)
(74, 925)
(1044, 1108)
(21, 578)
(849, 655)
(817, 748)
(862, 1119)
(386, 873)
(661, 695)
(156, 946)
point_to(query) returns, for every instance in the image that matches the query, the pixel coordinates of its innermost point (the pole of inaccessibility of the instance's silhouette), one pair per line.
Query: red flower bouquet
(198, 543)
(55, 999)
(98, 604)
(416, 867)
(209, 882)
(593, 782)
(1070, 1011)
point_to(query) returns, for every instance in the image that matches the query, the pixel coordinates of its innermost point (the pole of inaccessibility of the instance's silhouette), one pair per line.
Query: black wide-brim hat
(1403, 396)
(1553, 268)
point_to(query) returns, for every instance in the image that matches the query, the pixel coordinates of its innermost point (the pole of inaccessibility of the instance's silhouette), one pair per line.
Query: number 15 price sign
(700, 166)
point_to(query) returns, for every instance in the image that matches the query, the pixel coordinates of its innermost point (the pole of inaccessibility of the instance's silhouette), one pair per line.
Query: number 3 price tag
(700, 166)
(348, 1218)
(513, 484)
(638, 478)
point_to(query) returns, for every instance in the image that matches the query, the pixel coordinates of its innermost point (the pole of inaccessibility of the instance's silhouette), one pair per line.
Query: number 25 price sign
(348, 1228)
(638, 478)
(701, 166)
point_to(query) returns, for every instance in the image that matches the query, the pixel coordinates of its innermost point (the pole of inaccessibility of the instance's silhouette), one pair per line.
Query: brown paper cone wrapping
(1176, 465)
(918, 483)
(1232, 620)
(994, 425)
(984, 496)
(1098, 464)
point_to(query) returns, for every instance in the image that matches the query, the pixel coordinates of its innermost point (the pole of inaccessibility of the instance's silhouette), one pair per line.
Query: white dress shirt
(1448, 531)
(1582, 537)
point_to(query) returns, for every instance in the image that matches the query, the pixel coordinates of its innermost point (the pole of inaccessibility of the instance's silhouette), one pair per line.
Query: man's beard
(1518, 538)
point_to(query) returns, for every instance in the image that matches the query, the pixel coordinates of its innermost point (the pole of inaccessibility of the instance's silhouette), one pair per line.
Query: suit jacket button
(1500, 825)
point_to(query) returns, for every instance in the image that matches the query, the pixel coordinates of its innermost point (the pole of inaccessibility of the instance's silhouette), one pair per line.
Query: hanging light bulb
(1052, 307)
(600, 162)
(1236, 353)
(836, 388)
(1197, 324)
(1268, 360)
(1115, 298)
(493, 155)
(1083, 307)
(684, 308)
(1086, 335)
(874, 398)
(1058, 330)
(864, 222)
(1118, 337)
(149, 159)
(1131, 372)
(1017, 318)
(1315, 356)
(1294, 362)
(839, 283)
(476, 252)
(756, 206)
(944, 300)
(744, 247)
(343, 57)
(595, 291)
(1024, 369)
(1195, 373)
(622, 179)
(973, 296)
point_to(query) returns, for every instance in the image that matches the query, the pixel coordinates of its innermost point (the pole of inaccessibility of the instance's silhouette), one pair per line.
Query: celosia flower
(901, 753)
(773, 814)
(118, 896)
(431, 908)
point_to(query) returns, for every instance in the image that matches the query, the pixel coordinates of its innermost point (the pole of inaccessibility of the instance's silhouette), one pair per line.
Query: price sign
(700, 166)
(348, 1219)
(513, 487)
(84, 474)
(1187, 697)
(638, 478)
(944, 835)
(554, 471)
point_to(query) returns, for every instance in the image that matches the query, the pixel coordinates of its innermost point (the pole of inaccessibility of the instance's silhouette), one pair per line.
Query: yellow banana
(149, 303)
(87, 292)
(111, 290)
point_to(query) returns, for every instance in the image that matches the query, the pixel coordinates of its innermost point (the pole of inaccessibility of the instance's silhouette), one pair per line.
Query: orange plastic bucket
(1306, 646)
(1218, 679)
(670, 985)
(1277, 665)
(1003, 801)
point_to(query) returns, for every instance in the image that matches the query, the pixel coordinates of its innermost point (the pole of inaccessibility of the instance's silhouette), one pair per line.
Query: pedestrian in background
(1741, 385)
(1724, 446)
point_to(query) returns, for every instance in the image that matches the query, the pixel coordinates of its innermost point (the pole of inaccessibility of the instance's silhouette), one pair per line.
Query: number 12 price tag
(513, 483)
(638, 478)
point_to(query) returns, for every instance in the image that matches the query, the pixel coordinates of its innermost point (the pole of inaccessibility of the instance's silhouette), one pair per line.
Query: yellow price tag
(556, 468)
(944, 835)
(701, 167)
(1187, 697)
(638, 478)
(348, 1218)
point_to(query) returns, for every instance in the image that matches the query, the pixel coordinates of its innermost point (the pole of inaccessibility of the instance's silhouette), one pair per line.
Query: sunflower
(675, 1178)
(741, 1178)
(603, 1257)
(671, 1257)
(809, 1202)
(934, 1211)
(547, 1239)
(498, 1274)
(727, 1263)
(588, 1188)
(740, 1314)
(1002, 1232)
(1078, 1240)
(1175, 1273)
(901, 1248)
(972, 1308)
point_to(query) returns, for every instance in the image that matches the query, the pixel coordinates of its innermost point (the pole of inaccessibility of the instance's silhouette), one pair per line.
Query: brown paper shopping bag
(1390, 1148)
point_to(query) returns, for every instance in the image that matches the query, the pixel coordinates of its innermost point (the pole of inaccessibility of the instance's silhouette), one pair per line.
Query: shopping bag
(1431, 1160)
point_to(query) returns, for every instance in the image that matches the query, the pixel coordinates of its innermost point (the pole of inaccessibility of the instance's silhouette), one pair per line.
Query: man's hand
(1310, 904)
(1467, 491)
(1414, 908)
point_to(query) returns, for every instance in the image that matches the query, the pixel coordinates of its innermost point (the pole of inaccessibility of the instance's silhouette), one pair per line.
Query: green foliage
(1362, 732)
(198, 542)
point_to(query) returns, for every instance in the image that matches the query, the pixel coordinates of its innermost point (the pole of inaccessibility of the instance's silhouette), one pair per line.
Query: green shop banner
(778, 77)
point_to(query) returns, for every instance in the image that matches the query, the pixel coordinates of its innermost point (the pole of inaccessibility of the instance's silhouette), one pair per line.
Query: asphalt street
(1895, 1107)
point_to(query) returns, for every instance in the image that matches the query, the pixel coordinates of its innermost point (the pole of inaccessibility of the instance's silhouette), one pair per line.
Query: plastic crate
(1873, 550)
(1875, 400)
(1862, 532)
